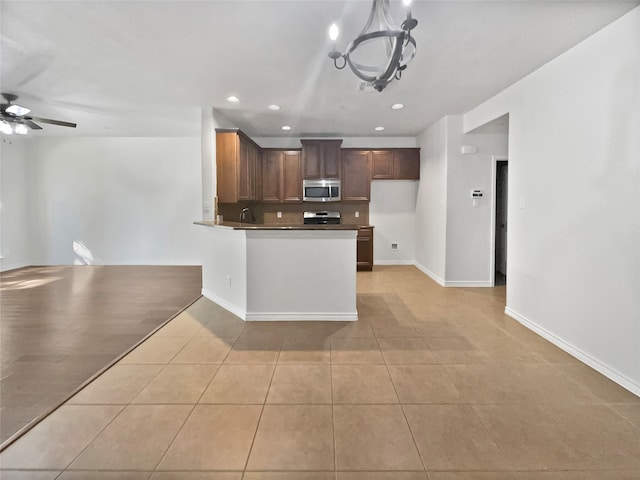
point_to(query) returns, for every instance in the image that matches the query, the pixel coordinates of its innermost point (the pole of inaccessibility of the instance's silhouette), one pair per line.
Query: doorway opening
(500, 222)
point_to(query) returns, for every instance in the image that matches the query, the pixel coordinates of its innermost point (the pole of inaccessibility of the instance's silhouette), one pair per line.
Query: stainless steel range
(321, 218)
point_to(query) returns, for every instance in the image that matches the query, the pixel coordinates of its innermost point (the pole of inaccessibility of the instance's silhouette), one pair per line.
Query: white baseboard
(466, 283)
(447, 283)
(5, 267)
(277, 316)
(430, 274)
(224, 304)
(574, 351)
(393, 262)
(292, 316)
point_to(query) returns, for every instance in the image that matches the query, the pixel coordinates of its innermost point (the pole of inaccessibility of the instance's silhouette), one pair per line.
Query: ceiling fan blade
(54, 122)
(32, 125)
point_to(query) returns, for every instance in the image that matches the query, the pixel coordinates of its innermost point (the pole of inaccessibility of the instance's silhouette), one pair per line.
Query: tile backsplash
(292, 212)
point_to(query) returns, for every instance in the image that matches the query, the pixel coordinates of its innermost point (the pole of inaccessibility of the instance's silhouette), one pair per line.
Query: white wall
(454, 238)
(392, 211)
(286, 282)
(431, 204)
(469, 228)
(224, 267)
(574, 175)
(128, 200)
(15, 244)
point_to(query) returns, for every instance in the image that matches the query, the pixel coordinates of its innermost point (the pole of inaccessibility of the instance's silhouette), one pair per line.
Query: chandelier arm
(369, 36)
(386, 74)
(344, 64)
(386, 15)
(389, 24)
(358, 71)
(394, 61)
(393, 35)
(372, 15)
(404, 62)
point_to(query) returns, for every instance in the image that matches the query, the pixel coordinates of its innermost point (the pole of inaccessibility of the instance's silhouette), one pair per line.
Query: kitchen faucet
(243, 215)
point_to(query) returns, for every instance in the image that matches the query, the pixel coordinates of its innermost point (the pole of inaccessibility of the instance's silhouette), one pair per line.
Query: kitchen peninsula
(281, 271)
(283, 267)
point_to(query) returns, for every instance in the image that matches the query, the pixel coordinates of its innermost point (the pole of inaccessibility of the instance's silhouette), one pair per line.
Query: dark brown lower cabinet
(365, 249)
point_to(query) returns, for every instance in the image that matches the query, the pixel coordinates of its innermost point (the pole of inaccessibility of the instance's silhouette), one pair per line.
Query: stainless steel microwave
(321, 190)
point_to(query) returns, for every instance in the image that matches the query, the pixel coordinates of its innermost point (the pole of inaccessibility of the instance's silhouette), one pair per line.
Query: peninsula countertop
(275, 226)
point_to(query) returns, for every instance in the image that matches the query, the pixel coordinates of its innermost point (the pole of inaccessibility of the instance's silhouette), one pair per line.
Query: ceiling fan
(15, 119)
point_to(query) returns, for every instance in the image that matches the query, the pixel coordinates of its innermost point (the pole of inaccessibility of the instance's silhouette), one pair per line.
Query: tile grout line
(599, 400)
(215, 374)
(124, 405)
(333, 416)
(415, 443)
(492, 437)
(186, 417)
(193, 407)
(264, 403)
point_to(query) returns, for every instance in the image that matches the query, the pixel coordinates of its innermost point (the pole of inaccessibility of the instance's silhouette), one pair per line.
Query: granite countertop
(275, 226)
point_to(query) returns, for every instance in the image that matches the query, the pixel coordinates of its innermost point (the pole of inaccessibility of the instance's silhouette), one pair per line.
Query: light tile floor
(430, 383)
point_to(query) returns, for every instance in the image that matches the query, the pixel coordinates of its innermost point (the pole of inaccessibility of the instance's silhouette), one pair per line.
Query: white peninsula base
(281, 274)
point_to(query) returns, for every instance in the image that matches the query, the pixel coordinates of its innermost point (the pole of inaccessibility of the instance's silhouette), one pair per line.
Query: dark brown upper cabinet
(321, 158)
(396, 164)
(382, 164)
(356, 175)
(281, 176)
(238, 167)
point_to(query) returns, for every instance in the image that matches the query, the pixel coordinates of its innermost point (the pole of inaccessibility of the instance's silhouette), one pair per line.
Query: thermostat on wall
(476, 193)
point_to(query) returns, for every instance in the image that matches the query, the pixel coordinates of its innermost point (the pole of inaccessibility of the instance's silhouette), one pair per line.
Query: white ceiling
(146, 68)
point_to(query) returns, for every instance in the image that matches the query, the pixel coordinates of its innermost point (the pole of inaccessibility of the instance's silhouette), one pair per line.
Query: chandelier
(398, 45)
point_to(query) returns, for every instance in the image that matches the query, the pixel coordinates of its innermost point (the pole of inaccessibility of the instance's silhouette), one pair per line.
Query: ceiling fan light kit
(14, 119)
(399, 45)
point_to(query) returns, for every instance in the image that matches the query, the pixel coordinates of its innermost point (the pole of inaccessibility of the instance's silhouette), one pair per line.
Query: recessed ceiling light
(233, 99)
(274, 107)
(379, 129)
(397, 106)
(286, 127)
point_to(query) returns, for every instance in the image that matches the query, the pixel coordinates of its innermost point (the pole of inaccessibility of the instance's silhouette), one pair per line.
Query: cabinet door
(227, 167)
(356, 175)
(312, 159)
(291, 177)
(244, 170)
(406, 164)
(382, 164)
(254, 169)
(257, 183)
(331, 158)
(271, 184)
(365, 249)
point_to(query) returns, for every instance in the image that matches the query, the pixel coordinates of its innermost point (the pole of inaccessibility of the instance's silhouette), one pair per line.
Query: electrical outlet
(279, 214)
(229, 279)
(357, 214)
(394, 246)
